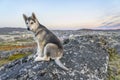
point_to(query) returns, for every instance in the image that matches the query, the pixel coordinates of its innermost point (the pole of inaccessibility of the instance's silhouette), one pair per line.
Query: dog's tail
(58, 62)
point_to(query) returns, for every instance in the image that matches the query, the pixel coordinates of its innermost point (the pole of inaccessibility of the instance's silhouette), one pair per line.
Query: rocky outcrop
(84, 55)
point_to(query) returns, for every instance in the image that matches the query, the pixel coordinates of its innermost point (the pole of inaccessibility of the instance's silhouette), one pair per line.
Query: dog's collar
(38, 31)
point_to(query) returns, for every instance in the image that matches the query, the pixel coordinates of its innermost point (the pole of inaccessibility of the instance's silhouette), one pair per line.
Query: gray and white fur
(49, 46)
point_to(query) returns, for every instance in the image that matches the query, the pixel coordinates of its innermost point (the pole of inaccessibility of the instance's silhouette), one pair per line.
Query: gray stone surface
(82, 54)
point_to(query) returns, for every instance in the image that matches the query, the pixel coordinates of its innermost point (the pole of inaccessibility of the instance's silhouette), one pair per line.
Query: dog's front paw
(45, 58)
(38, 58)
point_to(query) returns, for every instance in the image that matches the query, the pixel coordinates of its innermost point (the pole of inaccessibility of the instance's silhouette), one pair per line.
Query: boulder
(84, 56)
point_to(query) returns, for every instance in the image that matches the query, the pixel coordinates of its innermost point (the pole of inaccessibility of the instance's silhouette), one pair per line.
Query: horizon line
(71, 29)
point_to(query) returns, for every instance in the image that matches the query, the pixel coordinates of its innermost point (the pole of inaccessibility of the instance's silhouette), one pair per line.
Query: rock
(82, 54)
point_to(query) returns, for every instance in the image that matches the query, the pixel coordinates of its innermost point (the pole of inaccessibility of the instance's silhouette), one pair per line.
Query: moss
(16, 56)
(113, 55)
(13, 57)
(114, 64)
(114, 61)
(4, 61)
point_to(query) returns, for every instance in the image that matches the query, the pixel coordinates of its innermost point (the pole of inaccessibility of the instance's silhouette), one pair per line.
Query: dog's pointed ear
(25, 17)
(33, 15)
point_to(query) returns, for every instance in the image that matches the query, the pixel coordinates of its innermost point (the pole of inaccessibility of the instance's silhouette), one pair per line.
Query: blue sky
(62, 14)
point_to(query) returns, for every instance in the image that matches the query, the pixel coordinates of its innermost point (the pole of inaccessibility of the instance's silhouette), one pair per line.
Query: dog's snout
(28, 28)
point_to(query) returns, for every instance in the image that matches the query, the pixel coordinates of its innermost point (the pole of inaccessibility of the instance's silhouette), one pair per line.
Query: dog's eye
(31, 22)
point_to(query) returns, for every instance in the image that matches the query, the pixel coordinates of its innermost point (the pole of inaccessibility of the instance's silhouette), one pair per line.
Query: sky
(62, 14)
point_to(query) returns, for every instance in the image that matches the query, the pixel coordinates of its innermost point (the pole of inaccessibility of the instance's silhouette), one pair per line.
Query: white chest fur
(39, 51)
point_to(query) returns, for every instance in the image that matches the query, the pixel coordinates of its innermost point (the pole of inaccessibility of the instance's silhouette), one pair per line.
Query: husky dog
(49, 46)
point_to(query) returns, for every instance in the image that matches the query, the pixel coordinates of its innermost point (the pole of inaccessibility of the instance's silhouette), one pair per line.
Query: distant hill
(8, 30)
(98, 30)
(85, 30)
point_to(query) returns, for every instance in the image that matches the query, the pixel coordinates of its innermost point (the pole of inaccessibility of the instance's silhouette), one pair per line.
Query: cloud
(110, 22)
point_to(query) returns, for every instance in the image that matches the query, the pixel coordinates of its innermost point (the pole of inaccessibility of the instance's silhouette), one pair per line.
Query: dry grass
(11, 47)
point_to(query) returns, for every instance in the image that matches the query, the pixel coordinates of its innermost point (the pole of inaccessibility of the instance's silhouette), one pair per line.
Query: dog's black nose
(28, 29)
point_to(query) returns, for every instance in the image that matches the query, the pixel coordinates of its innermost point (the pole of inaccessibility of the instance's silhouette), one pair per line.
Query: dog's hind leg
(50, 51)
(45, 55)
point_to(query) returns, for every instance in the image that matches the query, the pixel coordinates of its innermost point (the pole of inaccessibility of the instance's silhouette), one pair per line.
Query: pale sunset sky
(62, 14)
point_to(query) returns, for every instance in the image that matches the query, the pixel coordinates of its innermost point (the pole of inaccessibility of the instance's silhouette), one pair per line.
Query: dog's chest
(38, 44)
